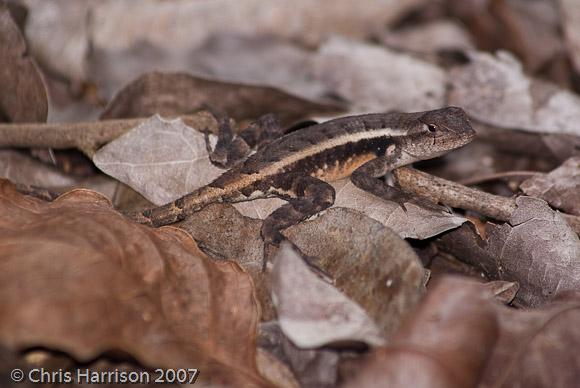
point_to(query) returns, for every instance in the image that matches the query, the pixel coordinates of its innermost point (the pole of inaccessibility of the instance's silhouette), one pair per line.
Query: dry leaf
(259, 60)
(411, 222)
(444, 343)
(430, 38)
(376, 79)
(536, 348)
(536, 249)
(460, 337)
(59, 36)
(254, 60)
(171, 94)
(495, 91)
(311, 312)
(504, 292)
(187, 24)
(368, 262)
(390, 267)
(22, 169)
(101, 283)
(528, 29)
(312, 367)
(275, 371)
(560, 188)
(162, 160)
(570, 13)
(23, 94)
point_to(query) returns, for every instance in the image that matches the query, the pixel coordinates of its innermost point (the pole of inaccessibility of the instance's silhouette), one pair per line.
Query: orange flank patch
(336, 171)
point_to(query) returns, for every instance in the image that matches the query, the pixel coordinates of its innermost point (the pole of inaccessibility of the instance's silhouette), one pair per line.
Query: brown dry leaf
(311, 312)
(444, 343)
(570, 14)
(23, 95)
(560, 188)
(536, 249)
(224, 233)
(350, 245)
(101, 283)
(504, 292)
(460, 337)
(162, 160)
(312, 367)
(528, 29)
(171, 94)
(495, 91)
(376, 79)
(22, 169)
(275, 371)
(536, 348)
(368, 262)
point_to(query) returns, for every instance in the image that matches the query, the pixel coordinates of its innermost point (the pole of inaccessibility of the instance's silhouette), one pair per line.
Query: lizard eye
(431, 127)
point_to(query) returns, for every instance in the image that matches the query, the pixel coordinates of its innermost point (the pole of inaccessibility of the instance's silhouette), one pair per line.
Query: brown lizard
(297, 167)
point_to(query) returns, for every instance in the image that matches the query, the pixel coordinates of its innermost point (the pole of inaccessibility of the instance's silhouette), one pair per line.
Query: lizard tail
(179, 209)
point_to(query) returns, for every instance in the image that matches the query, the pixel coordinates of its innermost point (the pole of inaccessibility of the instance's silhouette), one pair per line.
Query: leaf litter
(176, 59)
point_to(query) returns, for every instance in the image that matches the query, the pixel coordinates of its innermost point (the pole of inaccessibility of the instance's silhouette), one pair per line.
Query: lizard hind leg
(309, 196)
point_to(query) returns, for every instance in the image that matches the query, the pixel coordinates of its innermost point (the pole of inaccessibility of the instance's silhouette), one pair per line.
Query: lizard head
(436, 132)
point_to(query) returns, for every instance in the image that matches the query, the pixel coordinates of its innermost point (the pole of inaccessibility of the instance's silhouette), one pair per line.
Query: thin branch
(87, 137)
(500, 175)
(463, 197)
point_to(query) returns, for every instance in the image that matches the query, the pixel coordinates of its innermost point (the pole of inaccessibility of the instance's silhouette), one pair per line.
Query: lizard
(298, 166)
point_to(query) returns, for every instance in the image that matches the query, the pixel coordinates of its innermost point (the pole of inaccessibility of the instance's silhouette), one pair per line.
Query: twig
(500, 175)
(455, 194)
(463, 197)
(87, 137)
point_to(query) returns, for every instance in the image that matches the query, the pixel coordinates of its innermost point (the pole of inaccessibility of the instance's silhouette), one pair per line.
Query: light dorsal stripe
(330, 144)
(276, 167)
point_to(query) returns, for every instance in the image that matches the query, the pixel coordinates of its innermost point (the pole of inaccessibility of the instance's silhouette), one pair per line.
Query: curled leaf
(101, 282)
(171, 94)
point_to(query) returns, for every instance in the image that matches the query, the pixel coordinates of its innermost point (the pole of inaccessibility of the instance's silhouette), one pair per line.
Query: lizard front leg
(366, 177)
(306, 197)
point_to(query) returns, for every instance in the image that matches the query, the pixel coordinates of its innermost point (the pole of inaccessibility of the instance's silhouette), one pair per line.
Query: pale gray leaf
(376, 79)
(313, 313)
(162, 160)
(430, 38)
(495, 91)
